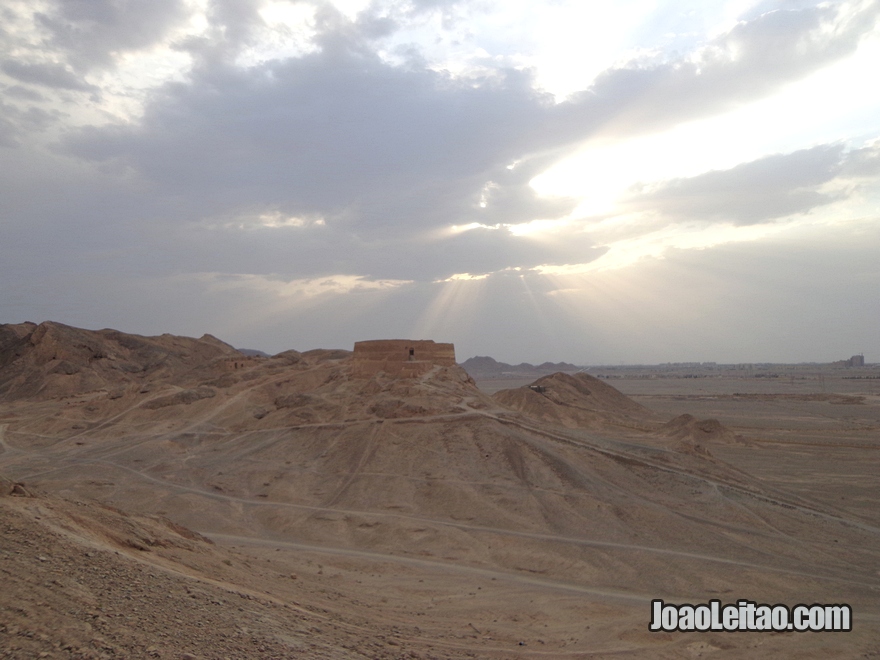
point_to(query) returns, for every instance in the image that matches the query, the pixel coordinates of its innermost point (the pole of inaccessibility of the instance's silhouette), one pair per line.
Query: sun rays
(453, 307)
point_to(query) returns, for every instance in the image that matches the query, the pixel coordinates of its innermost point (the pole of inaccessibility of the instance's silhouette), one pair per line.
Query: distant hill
(253, 352)
(576, 401)
(53, 359)
(487, 367)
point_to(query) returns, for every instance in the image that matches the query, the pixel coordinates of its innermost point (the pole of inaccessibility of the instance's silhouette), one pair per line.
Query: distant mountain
(487, 367)
(253, 352)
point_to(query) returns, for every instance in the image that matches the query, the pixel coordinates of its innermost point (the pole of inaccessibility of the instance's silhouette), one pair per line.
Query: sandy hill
(576, 401)
(694, 435)
(52, 359)
(468, 521)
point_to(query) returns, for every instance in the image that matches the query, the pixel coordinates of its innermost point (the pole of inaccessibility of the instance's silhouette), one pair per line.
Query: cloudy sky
(603, 183)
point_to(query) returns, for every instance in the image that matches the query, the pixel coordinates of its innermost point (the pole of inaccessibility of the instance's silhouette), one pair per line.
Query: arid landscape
(168, 497)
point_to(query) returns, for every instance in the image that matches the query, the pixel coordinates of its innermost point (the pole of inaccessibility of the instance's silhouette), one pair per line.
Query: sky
(643, 181)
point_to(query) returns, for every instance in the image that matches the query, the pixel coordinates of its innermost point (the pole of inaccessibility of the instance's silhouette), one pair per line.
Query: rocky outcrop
(13, 488)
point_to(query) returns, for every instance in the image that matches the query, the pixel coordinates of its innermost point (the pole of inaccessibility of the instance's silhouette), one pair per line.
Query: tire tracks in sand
(465, 526)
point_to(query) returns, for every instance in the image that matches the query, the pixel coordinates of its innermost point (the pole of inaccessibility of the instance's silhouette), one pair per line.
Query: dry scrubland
(179, 500)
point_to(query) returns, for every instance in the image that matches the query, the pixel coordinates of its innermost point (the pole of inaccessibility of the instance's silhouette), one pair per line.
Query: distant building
(400, 358)
(854, 361)
(239, 362)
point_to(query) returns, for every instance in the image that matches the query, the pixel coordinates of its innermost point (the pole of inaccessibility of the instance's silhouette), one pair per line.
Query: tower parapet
(400, 358)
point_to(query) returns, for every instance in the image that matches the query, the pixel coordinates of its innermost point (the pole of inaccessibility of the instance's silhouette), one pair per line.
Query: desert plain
(171, 497)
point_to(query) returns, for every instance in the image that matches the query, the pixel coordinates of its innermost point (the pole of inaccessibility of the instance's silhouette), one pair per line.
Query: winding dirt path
(461, 526)
(432, 564)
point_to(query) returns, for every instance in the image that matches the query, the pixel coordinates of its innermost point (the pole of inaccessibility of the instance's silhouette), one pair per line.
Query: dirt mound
(54, 360)
(575, 401)
(693, 435)
(689, 428)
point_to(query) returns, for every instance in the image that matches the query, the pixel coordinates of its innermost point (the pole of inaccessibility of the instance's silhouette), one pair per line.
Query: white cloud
(833, 103)
(289, 30)
(299, 289)
(350, 8)
(463, 277)
(272, 219)
(655, 245)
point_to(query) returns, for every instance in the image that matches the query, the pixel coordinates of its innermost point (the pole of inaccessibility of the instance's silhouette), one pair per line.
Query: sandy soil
(338, 517)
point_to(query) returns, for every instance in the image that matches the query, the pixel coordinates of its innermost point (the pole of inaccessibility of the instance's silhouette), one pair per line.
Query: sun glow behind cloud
(839, 104)
(289, 31)
(463, 277)
(654, 245)
(298, 289)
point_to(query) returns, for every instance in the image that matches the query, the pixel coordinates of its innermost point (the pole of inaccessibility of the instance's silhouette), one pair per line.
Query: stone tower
(400, 358)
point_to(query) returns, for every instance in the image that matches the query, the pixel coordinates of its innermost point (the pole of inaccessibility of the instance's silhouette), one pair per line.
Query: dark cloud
(25, 93)
(53, 75)
(382, 148)
(768, 188)
(376, 26)
(476, 251)
(390, 156)
(237, 18)
(334, 133)
(863, 162)
(93, 32)
(17, 124)
(8, 133)
(322, 251)
(233, 25)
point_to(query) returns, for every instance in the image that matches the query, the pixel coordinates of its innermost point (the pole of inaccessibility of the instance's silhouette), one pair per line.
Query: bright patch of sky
(831, 105)
(300, 288)
(565, 43)
(289, 31)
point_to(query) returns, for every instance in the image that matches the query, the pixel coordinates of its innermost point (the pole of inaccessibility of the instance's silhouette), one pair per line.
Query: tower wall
(400, 358)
